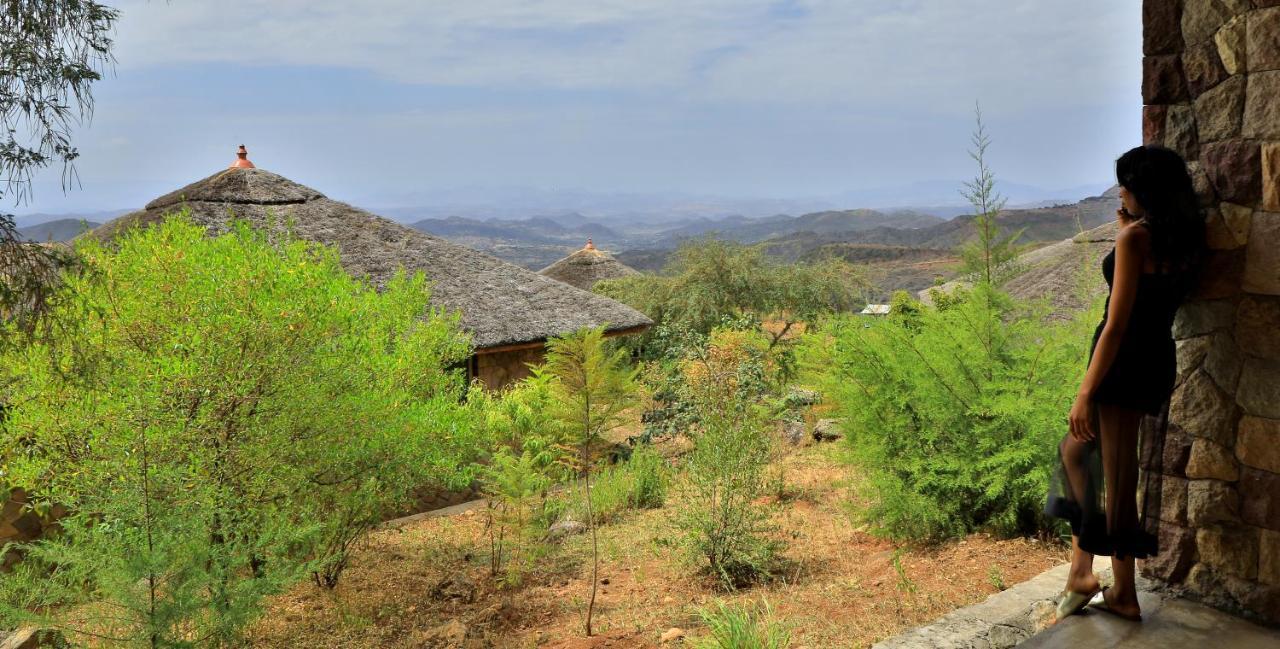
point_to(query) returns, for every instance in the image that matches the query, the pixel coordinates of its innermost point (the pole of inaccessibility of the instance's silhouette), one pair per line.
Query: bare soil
(839, 588)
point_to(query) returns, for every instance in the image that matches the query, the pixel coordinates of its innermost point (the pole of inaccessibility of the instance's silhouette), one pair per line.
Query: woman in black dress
(1131, 374)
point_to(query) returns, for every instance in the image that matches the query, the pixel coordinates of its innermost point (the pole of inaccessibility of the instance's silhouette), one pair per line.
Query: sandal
(1073, 602)
(1099, 602)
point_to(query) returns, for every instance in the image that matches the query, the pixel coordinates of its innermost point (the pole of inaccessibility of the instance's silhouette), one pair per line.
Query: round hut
(509, 311)
(587, 266)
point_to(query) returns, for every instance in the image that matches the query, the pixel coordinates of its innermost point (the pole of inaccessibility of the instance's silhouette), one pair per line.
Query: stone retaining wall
(1211, 89)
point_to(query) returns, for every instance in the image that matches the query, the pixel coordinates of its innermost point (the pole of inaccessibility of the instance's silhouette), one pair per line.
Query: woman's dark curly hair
(1158, 179)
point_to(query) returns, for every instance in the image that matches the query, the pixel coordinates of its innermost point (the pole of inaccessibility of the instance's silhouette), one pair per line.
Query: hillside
(58, 230)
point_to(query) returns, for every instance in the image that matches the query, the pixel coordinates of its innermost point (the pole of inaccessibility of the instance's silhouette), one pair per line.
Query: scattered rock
(793, 432)
(458, 588)
(451, 635)
(826, 430)
(565, 527)
(802, 397)
(32, 639)
(673, 634)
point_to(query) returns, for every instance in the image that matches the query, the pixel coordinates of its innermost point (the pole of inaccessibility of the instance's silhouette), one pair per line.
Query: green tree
(990, 255)
(709, 281)
(593, 388)
(252, 410)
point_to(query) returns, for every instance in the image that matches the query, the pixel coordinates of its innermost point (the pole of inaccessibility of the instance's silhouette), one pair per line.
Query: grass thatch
(587, 266)
(500, 303)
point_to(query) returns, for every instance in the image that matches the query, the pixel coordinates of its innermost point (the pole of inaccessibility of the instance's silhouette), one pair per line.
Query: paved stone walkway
(1167, 623)
(1019, 617)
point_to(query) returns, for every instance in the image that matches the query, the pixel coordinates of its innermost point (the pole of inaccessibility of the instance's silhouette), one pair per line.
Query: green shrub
(954, 412)
(638, 483)
(251, 411)
(740, 627)
(725, 530)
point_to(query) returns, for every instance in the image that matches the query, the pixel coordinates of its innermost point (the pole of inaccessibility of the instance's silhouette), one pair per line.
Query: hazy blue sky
(385, 102)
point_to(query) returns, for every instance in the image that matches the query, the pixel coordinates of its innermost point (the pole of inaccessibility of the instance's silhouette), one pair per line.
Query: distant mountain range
(56, 230)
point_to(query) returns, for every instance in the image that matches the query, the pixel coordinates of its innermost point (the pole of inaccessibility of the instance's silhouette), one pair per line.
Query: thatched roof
(1067, 273)
(501, 304)
(587, 266)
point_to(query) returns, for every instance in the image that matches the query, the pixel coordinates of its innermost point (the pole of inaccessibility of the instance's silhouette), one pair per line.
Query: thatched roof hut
(587, 266)
(1067, 273)
(507, 309)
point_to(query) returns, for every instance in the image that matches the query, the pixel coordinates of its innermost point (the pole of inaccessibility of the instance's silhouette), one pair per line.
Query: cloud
(923, 54)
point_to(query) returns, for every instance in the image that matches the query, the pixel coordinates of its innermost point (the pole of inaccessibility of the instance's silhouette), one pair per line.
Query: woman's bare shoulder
(1134, 236)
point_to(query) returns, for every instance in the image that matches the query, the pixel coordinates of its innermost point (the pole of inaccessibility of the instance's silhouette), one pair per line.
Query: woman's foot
(1085, 584)
(1125, 607)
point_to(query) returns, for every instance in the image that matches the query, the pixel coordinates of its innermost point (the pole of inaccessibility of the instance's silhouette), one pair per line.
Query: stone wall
(1211, 89)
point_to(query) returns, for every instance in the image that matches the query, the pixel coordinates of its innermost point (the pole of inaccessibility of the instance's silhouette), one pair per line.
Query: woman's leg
(1074, 456)
(1118, 438)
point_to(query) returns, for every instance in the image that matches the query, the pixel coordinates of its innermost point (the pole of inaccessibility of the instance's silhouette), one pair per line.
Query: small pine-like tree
(989, 256)
(593, 388)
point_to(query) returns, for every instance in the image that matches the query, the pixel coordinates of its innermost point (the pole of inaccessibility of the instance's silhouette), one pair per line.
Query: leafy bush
(737, 627)
(514, 485)
(725, 530)
(955, 412)
(251, 411)
(639, 483)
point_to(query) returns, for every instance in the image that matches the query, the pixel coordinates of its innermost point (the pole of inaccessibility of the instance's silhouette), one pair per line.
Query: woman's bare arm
(1132, 244)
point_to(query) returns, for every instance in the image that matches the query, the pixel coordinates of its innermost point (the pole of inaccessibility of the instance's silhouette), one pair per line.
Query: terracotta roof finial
(589, 246)
(242, 159)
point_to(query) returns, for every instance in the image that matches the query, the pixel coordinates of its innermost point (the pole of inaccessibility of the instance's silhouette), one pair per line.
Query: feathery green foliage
(251, 410)
(954, 411)
(592, 387)
(990, 256)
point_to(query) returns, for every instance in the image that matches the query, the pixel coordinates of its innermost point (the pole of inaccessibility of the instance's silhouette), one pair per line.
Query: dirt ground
(840, 587)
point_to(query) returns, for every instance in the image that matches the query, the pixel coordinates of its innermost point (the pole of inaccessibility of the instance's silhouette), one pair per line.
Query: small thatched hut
(1067, 273)
(509, 311)
(587, 266)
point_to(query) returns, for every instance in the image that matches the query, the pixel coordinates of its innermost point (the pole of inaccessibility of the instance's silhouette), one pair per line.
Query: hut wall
(1211, 89)
(499, 369)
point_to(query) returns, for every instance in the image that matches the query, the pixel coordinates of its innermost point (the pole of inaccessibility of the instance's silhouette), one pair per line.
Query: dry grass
(840, 589)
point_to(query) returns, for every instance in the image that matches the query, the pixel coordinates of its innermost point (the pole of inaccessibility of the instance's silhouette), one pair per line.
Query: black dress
(1102, 509)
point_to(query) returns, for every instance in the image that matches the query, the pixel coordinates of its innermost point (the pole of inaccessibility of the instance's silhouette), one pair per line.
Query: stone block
(1221, 275)
(1161, 26)
(1202, 68)
(1203, 580)
(1259, 392)
(1203, 410)
(1212, 501)
(1261, 110)
(1173, 501)
(1270, 176)
(1237, 219)
(1180, 131)
(1259, 498)
(1153, 118)
(1177, 450)
(1231, 45)
(1234, 168)
(1204, 187)
(1162, 80)
(1191, 353)
(1230, 551)
(1269, 557)
(1262, 601)
(1176, 556)
(1220, 110)
(1262, 257)
(1263, 49)
(1201, 317)
(1258, 443)
(1211, 460)
(1224, 362)
(1257, 325)
(1201, 18)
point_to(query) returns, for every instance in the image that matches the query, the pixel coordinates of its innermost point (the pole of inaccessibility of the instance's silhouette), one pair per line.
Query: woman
(1131, 370)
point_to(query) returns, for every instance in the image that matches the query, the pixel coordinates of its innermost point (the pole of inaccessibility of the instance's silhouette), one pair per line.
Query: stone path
(1021, 615)
(1168, 622)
